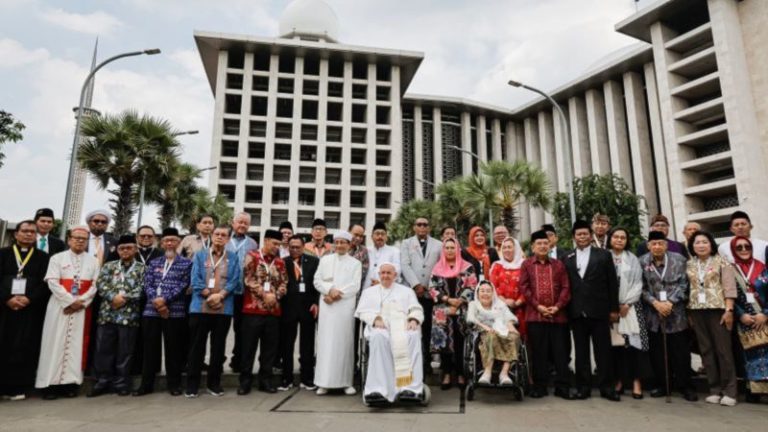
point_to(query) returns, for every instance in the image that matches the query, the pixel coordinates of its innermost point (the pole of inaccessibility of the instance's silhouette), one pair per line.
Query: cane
(666, 357)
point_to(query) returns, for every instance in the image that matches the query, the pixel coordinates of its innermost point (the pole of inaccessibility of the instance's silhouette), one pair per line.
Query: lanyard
(747, 277)
(206, 242)
(267, 266)
(215, 264)
(238, 246)
(167, 266)
(19, 263)
(298, 270)
(701, 271)
(662, 274)
(141, 256)
(123, 273)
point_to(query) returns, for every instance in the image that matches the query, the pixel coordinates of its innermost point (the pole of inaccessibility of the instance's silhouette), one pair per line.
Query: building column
(511, 142)
(218, 127)
(533, 155)
(560, 149)
(616, 121)
(437, 142)
(598, 135)
(466, 144)
(496, 137)
(418, 141)
(660, 175)
(396, 136)
(482, 145)
(547, 149)
(582, 162)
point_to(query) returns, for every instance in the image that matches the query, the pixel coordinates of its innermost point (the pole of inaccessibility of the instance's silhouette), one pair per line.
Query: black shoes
(657, 393)
(96, 392)
(582, 394)
(690, 396)
(267, 388)
(538, 393)
(563, 393)
(637, 396)
(242, 391)
(123, 392)
(610, 395)
(174, 392)
(50, 396)
(141, 391)
(374, 399)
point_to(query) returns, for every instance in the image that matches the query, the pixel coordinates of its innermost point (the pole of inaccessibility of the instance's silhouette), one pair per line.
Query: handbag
(617, 339)
(751, 338)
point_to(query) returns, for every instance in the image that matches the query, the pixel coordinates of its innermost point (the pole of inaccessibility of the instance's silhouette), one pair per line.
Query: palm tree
(401, 226)
(172, 192)
(202, 202)
(121, 150)
(514, 183)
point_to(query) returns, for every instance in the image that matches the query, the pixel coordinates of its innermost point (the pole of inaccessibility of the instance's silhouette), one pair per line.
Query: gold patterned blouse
(712, 281)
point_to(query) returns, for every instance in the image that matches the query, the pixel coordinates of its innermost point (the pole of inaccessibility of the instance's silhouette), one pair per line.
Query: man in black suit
(554, 251)
(47, 243)
(299, 308)
(594, 304)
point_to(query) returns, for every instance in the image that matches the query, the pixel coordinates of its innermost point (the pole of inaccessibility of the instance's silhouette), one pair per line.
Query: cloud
(96, 23)
(13, 54)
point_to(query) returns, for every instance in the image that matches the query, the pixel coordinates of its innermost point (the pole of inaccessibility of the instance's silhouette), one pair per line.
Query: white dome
(312, 18)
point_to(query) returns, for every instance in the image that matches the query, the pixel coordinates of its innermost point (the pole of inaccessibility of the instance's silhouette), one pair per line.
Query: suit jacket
(417, 268)
(294, 300)
(595, 295)
(55, 244)
(562, 253)
(110, 247)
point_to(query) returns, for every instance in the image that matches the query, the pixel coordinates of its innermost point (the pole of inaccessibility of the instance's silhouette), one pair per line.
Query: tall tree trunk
(123, 208)
(166, 214)
(509, 220)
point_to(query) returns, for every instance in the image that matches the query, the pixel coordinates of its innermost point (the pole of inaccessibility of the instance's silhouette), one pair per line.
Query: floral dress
(444, 325)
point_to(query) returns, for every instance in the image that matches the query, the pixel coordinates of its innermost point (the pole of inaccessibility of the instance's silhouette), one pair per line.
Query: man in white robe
(393, 318)
(338, 279)
(70, 277)
(380, 253)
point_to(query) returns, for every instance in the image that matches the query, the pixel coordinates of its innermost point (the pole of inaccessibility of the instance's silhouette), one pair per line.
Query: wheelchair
(473, 369)
(363, 355)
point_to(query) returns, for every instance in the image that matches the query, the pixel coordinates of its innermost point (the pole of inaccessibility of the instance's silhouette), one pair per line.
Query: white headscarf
(517, 260)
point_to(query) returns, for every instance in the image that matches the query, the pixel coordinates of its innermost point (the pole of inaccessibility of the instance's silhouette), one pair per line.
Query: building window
(383, 72)
(357, 177)
(254, 172)
(332, 176)
(281, 173)
(229, 148)
(333, 154)
(307, 174)
(382, 157)
(283, 130)
(334, 111)
(307, 197)
(309, 132)
(335, 89)
(357, 219)
(228, 191)
(336, 67)
(258, 129)
(382, 179)
(231, 127)
(285, 85)
(278, 216)
(287, 63)
(256, 150)
(311, 87)
(305, 219)
(283, 151)
(359, 91)
(382, 136)
(261, 60)
(308, 153)
(383, 92)
(357, 199)
(358, 113)
(382, 200)
(332, 219)
(232, 104)
(359, 135)
(284, 108)
(383, 217)
(235, 59)
(382, 115)
(227, 171)
(235, 81)
(309, 110)
(332, 198)
(333, 133)
(280, 196)
(253, 194)
(260, 83)
(360, 69)
(258, 106)
(255, 216)
(311, 65)
(358, 156)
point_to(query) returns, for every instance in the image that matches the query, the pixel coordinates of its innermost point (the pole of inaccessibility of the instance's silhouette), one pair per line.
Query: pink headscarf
(443, 269)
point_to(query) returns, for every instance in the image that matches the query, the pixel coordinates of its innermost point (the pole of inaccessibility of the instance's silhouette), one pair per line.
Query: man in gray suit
(418, 255)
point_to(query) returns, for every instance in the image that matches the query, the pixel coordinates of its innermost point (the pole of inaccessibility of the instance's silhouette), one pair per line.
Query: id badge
(158, 292)
(19, 287)
(267, 287)
(702, 298)
(302, 287)
(211, 283)
(750, 297)
(662, 296)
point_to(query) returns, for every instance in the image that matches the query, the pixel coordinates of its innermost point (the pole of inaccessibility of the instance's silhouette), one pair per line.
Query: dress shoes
(610, 395)
(123, 392)
(690, 396)
(242, 391)
(582, 394)
(657, 393)
(538, 393)
(96, 392)
(375, 398)
(50, 396)
(267, 388)
(141, 391)
(563, 394)
(175, 392)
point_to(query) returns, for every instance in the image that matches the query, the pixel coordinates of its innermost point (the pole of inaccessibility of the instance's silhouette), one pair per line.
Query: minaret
(78, 184)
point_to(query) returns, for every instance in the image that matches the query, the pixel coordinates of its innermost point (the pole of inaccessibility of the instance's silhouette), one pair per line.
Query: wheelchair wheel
(518, 392)
(427, 396)
(469, 392)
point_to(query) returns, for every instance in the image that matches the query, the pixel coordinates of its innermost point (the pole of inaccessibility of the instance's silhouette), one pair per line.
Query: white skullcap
(80, 228)
(343, 235)
(390, 263)
(102, 212)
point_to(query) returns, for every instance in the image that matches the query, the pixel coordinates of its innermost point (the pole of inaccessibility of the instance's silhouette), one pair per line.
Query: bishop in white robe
(393, 318)
(338, 279)
(70, 277)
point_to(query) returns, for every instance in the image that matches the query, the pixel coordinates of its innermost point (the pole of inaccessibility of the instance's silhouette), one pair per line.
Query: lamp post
(479, 161)
(144, 178)
(78, 120)
(566, 141)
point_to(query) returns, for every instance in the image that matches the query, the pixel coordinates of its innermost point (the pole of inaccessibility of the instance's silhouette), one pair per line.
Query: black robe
(21, 331)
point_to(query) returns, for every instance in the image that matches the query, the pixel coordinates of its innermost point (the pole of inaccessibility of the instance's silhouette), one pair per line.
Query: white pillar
(533, 155)
(598, 135)
(616, 121)
(418, 140)
(437, 142)
(496, 137)
(582, 162)
(482, 148)
(657, 141)
(466, 143)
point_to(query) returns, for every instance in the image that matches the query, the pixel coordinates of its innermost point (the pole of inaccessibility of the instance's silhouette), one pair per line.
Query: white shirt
(378, 256)
(758, 249)
(582, 259)
(92, 242)
(47, 242)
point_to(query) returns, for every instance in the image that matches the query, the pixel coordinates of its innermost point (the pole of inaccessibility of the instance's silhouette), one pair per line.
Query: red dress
(506, 282)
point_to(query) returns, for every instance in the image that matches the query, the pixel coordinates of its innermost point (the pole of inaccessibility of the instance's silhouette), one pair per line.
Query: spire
(89, 91)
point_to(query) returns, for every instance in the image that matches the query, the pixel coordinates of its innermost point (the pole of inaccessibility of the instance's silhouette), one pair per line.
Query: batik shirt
(170, 286)
(674, 283)
(116, 278)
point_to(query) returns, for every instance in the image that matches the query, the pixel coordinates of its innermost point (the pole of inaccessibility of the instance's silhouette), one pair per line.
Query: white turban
(104, 213)
(343, 235)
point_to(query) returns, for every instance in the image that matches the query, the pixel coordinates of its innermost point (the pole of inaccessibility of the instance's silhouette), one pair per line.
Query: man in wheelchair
(392, 317)
(499, 338)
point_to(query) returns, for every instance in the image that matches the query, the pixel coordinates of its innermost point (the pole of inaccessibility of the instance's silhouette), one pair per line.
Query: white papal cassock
(335, 329)
(395, 362)
(65, 337)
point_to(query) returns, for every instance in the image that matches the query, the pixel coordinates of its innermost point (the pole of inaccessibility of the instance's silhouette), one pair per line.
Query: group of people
(106, 306)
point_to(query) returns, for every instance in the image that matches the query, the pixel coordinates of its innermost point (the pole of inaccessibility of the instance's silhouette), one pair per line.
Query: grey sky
(471, 49)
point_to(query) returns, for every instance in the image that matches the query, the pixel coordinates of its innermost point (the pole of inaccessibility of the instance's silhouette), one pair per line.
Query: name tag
(702, 298)
(302, 287)
(750, 297)
(19, 287)
(159, 292)
(267, 287)
(662, 296)
(211, 283)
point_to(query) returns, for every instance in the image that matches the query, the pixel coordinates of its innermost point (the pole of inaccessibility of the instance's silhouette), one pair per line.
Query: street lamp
(474, 155)
(566, 141)
(73, 159)
(144, 178)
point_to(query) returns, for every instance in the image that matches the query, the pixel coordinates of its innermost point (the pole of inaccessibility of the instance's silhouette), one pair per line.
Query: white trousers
(381, 364)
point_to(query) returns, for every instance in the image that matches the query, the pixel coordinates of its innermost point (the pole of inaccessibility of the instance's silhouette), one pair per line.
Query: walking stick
(666, 357)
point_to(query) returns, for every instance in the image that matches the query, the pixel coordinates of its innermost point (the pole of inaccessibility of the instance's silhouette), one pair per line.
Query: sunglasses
(99, 221)
(422, 224)
(743, 248)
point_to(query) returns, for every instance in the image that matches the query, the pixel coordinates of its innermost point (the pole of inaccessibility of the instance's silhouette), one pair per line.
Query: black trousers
(549, 341)
(264, 329)
(679, 360)
(170, 331)
(426, 333)
(598, 331)
(453, 362)
(200, 326)
(302, 322)
(114, 355)
(237, 325)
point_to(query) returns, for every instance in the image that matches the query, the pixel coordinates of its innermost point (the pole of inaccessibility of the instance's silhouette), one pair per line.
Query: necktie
(43, 244)
(99, 250)
(423, 247)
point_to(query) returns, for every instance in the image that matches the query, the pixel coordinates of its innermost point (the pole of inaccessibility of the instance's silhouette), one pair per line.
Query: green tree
(172, 192)
(10, 131)
(121, 150)
(401, 226)
(202, 202)
(607, 194)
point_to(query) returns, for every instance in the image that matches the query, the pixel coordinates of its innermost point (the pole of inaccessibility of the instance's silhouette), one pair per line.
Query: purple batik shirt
(171, 287)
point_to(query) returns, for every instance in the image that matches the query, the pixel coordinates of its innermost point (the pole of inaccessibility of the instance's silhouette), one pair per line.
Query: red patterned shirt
(546, 284)
(265, 277)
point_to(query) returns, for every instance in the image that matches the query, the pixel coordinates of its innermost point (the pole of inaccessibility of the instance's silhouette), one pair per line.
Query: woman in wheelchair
(499, 339)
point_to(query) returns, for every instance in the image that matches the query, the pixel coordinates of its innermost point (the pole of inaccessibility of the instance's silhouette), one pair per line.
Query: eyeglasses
(743, 247)
(422, 224)
(99, 221)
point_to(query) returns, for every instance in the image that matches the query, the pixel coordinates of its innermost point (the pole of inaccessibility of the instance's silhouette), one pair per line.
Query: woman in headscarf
(752, 313)
(710, 311)
(631, 360)
(483, 255)
(505, 276)
(498, 336)
(452, 288)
